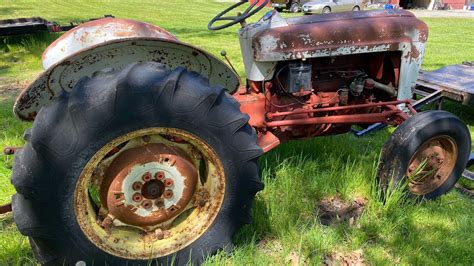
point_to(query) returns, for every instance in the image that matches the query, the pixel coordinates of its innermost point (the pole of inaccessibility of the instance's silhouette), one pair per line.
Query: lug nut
(160, 175)
(168, 182)
(159, 234)
(137, 185)
(107, 223)
(146, 177)
(168, 194)
(137, 197)
(160, 203)
(147, 204)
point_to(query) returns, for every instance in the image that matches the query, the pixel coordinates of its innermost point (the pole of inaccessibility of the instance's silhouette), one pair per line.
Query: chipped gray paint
(117, 54)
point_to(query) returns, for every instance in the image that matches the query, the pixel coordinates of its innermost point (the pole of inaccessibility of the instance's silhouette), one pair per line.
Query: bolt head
(168, 182)
(146, 177)
(137, 197)
(147, 204)
(160, 203)
(160, 175)
(137, 185)
(168, 194)
(159, 234)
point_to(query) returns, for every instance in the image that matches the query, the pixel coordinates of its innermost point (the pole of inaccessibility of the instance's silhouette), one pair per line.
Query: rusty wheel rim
(432, 164)
(149, 193)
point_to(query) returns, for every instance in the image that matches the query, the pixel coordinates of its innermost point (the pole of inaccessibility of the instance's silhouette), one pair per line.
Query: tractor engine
(322, 83)
(319, 75)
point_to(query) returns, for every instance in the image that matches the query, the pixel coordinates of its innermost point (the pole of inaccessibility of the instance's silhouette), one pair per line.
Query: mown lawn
(297, 175)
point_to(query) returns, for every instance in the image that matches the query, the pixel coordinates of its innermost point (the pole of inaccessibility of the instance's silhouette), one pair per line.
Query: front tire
(326, 10)
(173, 118)
(425, 155)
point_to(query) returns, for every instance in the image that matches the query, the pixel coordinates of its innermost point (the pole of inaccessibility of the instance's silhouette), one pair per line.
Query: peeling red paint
(338, 34)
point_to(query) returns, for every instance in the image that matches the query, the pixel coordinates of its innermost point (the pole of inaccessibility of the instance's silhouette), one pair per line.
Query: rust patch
(432, 164)
(339, 34)
(119, 170)
(117, 54)
(98, 31)
(129, 241)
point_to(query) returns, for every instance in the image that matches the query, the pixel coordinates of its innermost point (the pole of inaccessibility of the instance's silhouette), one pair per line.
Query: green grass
(296, 175)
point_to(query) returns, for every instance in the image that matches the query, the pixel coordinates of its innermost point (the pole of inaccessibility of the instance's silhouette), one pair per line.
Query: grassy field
(297, 175)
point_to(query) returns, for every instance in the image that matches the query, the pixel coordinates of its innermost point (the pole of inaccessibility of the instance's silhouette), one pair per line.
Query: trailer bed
(19, 26)
(456, 82)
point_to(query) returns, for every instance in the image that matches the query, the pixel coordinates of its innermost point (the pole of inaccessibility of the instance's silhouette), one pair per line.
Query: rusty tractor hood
(114, 43)
(339, 34)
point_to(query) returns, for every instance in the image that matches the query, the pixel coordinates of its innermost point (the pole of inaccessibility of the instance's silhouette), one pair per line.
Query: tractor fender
(114, 43)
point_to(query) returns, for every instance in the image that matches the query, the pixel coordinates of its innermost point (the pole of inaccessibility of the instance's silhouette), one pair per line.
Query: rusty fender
(114, 43)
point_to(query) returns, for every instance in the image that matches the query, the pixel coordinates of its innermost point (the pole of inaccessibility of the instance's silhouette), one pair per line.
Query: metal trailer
(21, 26)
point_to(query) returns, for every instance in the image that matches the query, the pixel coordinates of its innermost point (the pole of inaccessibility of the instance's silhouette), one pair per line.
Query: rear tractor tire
(136, 166)
(425, 156)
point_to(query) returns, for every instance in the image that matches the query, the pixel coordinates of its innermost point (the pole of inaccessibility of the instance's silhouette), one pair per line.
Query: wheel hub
(148, 185)
(149, 193)
(432, 164)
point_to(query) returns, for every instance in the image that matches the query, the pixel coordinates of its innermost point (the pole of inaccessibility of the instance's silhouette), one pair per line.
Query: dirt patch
(295, 259)
(270, 246)
(335, 210)
(10, 89)
(355, 258)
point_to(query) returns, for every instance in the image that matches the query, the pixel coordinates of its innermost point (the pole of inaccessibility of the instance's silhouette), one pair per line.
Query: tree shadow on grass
(420, 242)
(30, 43)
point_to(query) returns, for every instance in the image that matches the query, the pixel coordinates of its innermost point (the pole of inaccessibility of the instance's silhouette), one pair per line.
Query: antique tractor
(145, 149)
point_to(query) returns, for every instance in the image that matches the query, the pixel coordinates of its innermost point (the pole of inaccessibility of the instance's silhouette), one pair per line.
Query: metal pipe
(336, 108)
(337, 119)
(5, 208)
(380, 86)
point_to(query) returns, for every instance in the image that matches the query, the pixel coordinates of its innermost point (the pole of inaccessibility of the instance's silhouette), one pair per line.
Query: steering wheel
(250, 11)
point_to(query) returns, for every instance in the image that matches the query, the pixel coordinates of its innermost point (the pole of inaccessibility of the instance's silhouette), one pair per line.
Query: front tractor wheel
(138, 166)
(426, 155)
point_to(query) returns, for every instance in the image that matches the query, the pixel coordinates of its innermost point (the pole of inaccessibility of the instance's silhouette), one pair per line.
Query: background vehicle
(146, 148)
(328, 6)
(293, 6)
